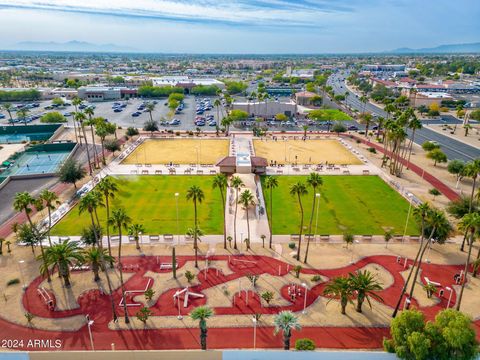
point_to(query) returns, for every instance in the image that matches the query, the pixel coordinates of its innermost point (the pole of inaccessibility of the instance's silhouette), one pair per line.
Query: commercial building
(384, 67)
(429, 98)
(186, 82)
(304, 98)
(100, 93)
(268, 109)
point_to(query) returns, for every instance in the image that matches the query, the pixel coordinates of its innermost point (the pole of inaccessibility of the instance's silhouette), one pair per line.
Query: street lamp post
(317, 198)
(89, 326)
(305, 299)
(178, 229)
(179, 317)
(20, 263)
(408, 215)
(254, 319)
(450, 296)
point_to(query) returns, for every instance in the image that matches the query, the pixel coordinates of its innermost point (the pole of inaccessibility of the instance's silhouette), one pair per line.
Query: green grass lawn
(357, 204)
(150, 200)
(329, 114)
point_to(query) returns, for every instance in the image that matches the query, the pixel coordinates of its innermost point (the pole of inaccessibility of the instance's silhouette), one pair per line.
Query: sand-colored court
(305, 152)
(179, 151)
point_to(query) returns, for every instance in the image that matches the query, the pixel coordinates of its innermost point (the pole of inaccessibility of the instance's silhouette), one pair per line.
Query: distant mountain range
(442, 49)
(74, 46)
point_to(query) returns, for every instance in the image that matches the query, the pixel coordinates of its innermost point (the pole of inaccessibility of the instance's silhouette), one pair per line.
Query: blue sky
(243, 26)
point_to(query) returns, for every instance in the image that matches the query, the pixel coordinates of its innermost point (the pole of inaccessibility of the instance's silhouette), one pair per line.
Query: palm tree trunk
(224, 222)
(465, 271)
(471, 196)
(94, 147)
(301, 227)
(310, 227)
(49, 279)
(107, 206)
(195, 233)
(286, 340)
(75, 126)
(271, 217)
(88, 151)
(102, 140)
(49, 224)
(343, 304)
(235, 221)
(248, 230)
(360, 299)
(127, 320)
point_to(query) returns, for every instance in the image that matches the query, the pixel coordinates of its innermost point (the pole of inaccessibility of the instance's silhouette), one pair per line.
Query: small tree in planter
(149, 294)
(263, 240)
(253, 279)
(267, 296)
(430, 290)
(29, 317)
(348, 239)
(143, 314)
(434, 192)
(190, 276)
(297, 270)
(387, 237)
(229, 239)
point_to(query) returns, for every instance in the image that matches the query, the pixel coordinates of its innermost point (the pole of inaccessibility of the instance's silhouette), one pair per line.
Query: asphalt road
(454, 149)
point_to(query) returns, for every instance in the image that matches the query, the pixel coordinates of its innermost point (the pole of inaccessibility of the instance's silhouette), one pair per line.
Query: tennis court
(41, 162)
(19, 138)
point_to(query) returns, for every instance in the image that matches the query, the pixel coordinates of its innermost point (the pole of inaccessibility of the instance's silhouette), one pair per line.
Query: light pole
(450, 296)
(317, 198)
(254, 319)
(305, 300)
(89, 325)
(408, 216)
(179, 317)
(20, 263)
(178, 229)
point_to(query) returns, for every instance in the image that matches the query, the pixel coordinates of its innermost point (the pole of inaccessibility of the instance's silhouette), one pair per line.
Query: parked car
(352, 128)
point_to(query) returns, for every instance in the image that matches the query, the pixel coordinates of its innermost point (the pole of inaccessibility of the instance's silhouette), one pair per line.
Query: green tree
(304, 344)
(314, 180)
(340, 288)
(62, 256)
(267, 296)
(151, 126)
(438, 156)
(220, 182)
(50, 201)
(197, 195)
(136, 230)
(8, 108)
(271, 183)
(71, 172)
(120, 220)
(366, 285)
(235, 183)
(286, 321)
(89, 203)
(202, 313)
(143, 314)
(246, 200)
(53, 117)
(95, 258)
(299, 189)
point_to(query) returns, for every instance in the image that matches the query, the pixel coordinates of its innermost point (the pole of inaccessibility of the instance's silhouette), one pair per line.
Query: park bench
(398, 238)
(346, 172)
(115, 238)
(154, 238)
(168, 237)
(199, 172)
(367, 237)
(131, 238)
(325, 237)
(294, 237)
(366, 172)
(158, 172)
(133, 172)
(144, 172)
(167, 266)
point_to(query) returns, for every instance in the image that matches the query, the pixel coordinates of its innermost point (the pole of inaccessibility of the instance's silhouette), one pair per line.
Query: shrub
(316, 278)
(291, 245)
(53, 117)
(304, 344)
(131, 131)
(372, 150)
(149, 293)
(267, 296)
(297, 270)
(190, 276)
(13, 282)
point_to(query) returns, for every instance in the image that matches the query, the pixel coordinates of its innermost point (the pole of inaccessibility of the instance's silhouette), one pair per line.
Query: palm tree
(90, 112)
(76, 101)
(271, 183)
(413, 125)
(472, 170)
(149, 108)
(366, 118)
(108, 187)
(62, 256)
(23, 202)
(8, 108)
(50, 199)
(136, 230)
(286, 321)
(119, 220)
(364, 101)
(365, 284)
(235, 183)
(101, 131)
(22, 114)
(220, 182)
(470, 223)
(217, 103)
(340, 288)
(299, 189)
(202, 313)
(89, 203)
(197, 195)
(80, 117)
(247, 200)
(95, 257)
(314, 180)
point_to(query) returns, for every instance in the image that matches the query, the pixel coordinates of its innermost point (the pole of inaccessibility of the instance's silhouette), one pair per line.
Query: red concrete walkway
(98, 306)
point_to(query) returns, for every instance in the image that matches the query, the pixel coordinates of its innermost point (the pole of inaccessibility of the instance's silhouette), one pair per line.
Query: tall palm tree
(364, 101)
(62, 256)
(235, 183)
(101, 131)
(202, 313)
(299, 189)
(220, 182)
(89, 203)
(50, 200)
(8, 108)
(314, 180)
(90, 112)
(197, 195)
(271, 183)
(366, 118)
(23, 201)
(413, 125)
(365, 284)
(340, 288)
(120, 220)
(108, 187)
(470, 223)
(247, 200)
(81, 117)
(437, 222)
(95, 257)
(217, 103)
(136, 230)
(286, 321)
(472, 170)
(149, 108)
(22, 114)
(76, 101)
